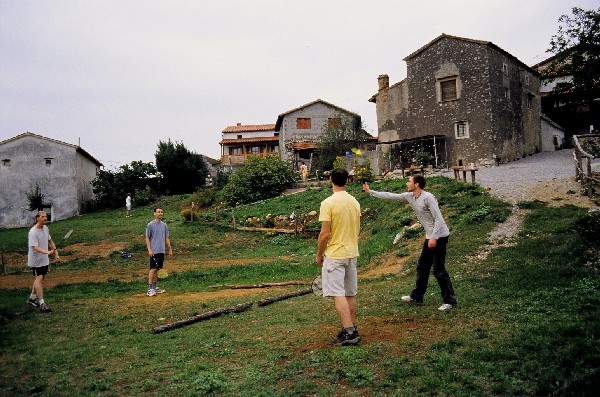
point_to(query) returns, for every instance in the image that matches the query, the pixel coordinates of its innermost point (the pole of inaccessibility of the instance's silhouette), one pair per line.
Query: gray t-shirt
(38, 237)
(157, 233)
(426, 208)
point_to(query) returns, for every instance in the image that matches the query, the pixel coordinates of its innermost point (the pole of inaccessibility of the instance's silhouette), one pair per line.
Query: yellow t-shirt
(343, 211)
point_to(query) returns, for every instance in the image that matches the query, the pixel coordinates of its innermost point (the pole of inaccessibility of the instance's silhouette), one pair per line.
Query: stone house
(62, 171)
(240, 141)
(300, 130)
(463, 101)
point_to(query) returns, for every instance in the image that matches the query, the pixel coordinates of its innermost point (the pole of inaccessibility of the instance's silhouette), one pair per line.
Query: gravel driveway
(522, 179)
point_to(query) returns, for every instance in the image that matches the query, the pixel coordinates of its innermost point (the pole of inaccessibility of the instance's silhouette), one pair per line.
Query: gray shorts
(339, 277)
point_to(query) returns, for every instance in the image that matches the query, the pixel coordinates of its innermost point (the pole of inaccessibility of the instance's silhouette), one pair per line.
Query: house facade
(240, 141)
(568, 108)
(62, 171)
(300, 129)
(553, 135)
(463, 101)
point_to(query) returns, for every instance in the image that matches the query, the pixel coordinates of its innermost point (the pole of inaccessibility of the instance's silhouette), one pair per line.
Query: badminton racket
(317, 286)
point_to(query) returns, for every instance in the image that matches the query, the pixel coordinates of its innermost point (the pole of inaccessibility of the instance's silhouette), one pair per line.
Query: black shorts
(156, 261)
(40, 271)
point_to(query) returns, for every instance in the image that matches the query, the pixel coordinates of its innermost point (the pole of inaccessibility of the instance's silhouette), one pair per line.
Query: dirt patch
(19, 276)
(559, 192)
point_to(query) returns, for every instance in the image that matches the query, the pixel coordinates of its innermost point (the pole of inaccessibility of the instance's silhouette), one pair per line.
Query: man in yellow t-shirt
(337, 253)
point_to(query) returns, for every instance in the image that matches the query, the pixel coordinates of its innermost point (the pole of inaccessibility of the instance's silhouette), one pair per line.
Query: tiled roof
(250, 128)
(249, 140)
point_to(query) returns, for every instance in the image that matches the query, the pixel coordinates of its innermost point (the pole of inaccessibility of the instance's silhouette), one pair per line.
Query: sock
(350, 330)
(153, 285)
(32, 296)
(150, 287)
(41, 301)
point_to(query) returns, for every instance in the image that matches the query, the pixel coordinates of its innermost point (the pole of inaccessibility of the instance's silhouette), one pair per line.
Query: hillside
(526, 323)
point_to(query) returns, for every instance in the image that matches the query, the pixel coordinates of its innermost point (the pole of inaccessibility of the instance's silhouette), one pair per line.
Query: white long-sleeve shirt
(426, 208)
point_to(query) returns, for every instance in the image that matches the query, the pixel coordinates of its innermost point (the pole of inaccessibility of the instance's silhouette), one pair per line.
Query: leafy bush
(588, 227)
(339, 162)
(258, 179)
(422, 158)
(137, 178)
(35, 199)
(363, 172)
(204, 197)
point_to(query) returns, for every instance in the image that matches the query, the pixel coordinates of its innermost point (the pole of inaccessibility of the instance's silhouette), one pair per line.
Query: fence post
(233, 216)
(590, 179)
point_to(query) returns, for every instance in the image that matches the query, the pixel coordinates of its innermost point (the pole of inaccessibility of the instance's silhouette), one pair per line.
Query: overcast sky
(118, 76)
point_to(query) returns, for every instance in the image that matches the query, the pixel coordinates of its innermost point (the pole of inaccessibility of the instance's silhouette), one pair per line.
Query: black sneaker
(346, 339)
(33, 302)
(44, 308)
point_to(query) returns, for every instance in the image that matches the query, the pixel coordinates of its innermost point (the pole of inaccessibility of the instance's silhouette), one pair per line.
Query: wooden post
(590, 180)
(233, 217)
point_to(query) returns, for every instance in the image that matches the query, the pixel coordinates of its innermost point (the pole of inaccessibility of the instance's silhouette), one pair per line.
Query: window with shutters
(303, 123)
(447, 89)
(334, 122)
(529, 100)
(461, 129)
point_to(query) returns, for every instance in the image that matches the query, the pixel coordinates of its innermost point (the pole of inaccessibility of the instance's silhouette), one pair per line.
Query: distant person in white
(128, 204)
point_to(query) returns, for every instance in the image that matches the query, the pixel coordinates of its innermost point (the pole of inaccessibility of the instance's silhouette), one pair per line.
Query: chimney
(384, 81)
(239, 124)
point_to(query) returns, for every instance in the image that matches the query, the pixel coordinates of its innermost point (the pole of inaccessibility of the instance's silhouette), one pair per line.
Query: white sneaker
(407, 298)
(445, 306)
(159, 291)
(151, 292)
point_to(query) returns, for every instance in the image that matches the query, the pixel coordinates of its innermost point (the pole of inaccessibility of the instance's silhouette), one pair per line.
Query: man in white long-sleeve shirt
(433, 252)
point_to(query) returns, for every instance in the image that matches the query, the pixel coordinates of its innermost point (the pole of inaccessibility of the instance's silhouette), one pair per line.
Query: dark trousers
(435, 257)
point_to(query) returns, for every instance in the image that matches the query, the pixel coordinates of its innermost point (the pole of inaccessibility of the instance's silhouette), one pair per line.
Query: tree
(574, 103)
(183, 171)
(35, 198)
(577, 49)
(258, 179)
(137, 178)
(340, 135)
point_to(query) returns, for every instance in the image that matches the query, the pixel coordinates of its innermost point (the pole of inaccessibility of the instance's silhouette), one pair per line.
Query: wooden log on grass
(264, 285)
(201, 317)
(268, 301)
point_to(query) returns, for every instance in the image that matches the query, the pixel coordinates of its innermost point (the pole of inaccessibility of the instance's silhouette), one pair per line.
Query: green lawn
(527, 322)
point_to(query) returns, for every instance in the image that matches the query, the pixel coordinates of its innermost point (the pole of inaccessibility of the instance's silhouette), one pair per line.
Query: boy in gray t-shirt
(157, 237)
